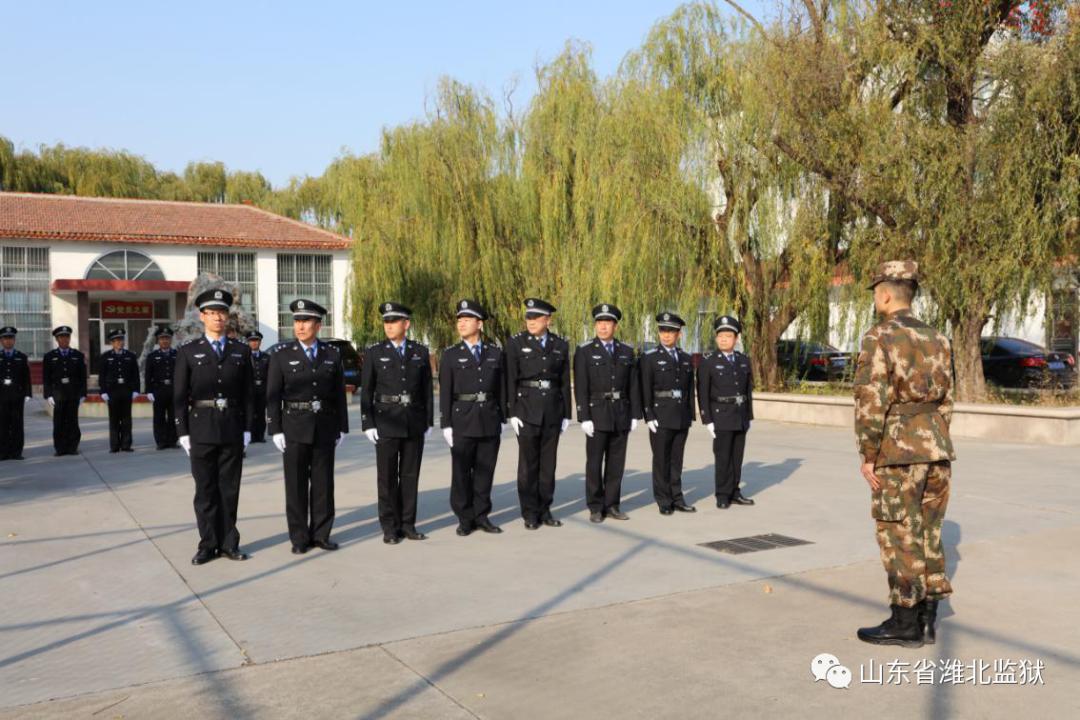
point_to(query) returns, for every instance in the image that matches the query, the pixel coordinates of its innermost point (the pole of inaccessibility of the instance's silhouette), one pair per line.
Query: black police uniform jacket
(260, 371)
(14, 376)
(158, 372)
(199, 376)
(294, 378)
(528, 360)
(719, 378)
(63, 377)
(460, 374)
(385, 372)
(119, 373)
(595, 373)
(660, 372)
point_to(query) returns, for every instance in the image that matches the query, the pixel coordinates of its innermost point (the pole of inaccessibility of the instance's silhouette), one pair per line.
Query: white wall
(267, 295)
(339, 273)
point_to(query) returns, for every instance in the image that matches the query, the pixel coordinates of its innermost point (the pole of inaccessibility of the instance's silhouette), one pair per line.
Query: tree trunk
(967, 325)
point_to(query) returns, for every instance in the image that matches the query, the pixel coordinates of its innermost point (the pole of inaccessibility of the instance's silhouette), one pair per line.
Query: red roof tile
(33, 216)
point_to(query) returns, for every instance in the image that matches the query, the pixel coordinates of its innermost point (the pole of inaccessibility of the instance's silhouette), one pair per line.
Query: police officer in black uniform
(608, 395)
(471, 404)
(308, 420)
(539, 406)
(667, 401)
(260, 365)
(158, 386)
(119, 381)
(398, 412)
(725, 398)
(213, 399)
(14, 394)
(63, 380)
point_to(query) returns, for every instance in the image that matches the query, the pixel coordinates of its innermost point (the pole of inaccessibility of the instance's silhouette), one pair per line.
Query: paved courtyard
(102, 615)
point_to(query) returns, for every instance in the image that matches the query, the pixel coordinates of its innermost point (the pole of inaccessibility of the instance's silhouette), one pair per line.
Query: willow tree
(774, 228)
(926, 118)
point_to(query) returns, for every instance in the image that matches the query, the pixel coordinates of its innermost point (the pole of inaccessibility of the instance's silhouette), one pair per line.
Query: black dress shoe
(412, 534)
(738, 499)
(532, 525)
(233, 554)
(114, 451)
(391, 539)
(299, 549)
(723, 504)
(550, 521)
(616, 514)
(596, 517)
(489, 527)
(128, 449)
(683, 507)
(666, 511)
(203, 556)
(325, 544)
(463, 530)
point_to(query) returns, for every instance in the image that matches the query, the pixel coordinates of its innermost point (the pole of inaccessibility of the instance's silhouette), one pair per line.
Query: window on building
(304, 276)
(124, 265)
(24, 297)
(237, 268)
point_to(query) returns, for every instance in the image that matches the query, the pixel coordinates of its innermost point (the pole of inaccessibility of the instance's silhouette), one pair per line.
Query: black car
(808, 360)
(351, 359)
(1015, 363)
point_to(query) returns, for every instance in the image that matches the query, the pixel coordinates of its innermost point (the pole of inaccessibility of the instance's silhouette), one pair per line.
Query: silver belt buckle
(167, 382)
(405, 399)
(545, 384)
(739, 399)
(258, 382)
(481, 397)
(676, 393)
(65, 381)
(316, 406)
(7, 381)
(120, 381)
(221, 403)
(616, 395)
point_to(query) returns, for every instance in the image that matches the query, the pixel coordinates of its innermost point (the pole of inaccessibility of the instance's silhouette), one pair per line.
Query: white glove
(517, 424)
(565, 424)
(340, 437)
(427, 433)
(633, 424)
(26, 399)
(247, 438)
(185, 442)
(588, 428)
(372, 435)
(151, 397)
(654, 425)
(712, 429)
(50, 400)
(279, 441)
(105, 397)
(448, 435)
(134, 394)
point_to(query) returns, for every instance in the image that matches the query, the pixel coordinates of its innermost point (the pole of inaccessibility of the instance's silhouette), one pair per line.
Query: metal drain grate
(754, 543)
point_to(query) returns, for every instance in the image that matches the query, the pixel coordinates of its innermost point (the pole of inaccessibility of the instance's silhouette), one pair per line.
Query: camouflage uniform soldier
(903, 407)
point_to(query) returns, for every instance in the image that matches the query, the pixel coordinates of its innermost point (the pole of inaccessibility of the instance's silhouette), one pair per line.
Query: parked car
(809, 360)
(1014, 363)
(351, 359)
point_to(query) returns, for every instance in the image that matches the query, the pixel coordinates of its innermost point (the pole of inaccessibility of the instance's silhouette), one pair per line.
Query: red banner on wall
(128, 309)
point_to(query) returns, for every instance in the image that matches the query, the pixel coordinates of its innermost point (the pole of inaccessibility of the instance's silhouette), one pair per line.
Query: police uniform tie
(217, 348)
(311, 354)
(401, 351)
(674, 354)
(610, 349)
(476, 352)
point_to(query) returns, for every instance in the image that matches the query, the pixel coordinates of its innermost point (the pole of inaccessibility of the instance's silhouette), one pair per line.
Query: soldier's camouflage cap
(895, 270)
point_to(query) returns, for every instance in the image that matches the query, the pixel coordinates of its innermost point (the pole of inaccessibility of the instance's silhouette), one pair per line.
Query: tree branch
(753, 20)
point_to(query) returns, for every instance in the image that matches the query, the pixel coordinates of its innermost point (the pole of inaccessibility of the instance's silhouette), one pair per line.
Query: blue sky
(280, 87)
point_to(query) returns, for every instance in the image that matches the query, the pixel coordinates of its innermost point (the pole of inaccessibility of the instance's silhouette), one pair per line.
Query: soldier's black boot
(902, 628)
(927, 618)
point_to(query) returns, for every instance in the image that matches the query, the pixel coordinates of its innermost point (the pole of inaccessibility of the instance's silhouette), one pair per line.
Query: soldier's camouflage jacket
(904, 393)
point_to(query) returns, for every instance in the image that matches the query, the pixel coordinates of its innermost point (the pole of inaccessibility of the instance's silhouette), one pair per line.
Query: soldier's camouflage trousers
(909, 509)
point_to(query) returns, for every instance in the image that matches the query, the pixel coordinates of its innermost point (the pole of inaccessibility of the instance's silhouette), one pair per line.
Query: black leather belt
(313, 405)
(403, 399)
(677, 394)
(614, 395)
(731, 399)
(473, 397)
(539, 384)
(220, 403)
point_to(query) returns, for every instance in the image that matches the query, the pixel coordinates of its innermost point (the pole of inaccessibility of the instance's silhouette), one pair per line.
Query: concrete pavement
(102, 612)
